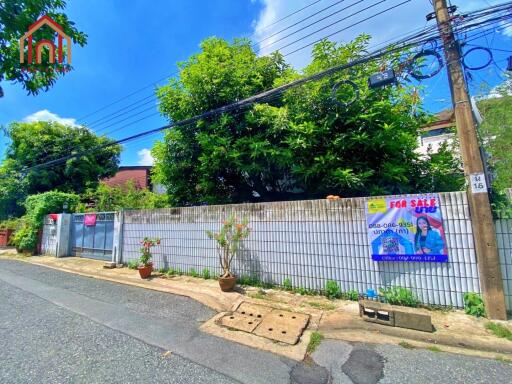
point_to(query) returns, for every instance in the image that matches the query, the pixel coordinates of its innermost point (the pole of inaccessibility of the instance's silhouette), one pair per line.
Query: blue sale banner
(406, 229)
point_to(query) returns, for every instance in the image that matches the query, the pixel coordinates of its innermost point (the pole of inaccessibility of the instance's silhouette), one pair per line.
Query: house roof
(444, 119)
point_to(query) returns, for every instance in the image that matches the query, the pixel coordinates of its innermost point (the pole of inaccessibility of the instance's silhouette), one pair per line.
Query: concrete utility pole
(481, 216)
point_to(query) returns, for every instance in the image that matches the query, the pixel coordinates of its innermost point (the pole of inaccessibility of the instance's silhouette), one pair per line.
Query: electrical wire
(216, 111)
(354, 24)
(261, 97)
(81, 119)
(307, 26)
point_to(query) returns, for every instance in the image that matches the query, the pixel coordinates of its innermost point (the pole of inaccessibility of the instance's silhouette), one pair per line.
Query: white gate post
(63, 235)
(117, 249)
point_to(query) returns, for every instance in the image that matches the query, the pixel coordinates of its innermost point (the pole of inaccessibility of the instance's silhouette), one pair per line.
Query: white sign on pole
(478, 184)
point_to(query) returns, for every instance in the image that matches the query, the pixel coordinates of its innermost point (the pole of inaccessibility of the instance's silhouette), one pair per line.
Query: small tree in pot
(228, 242)
(145, 264)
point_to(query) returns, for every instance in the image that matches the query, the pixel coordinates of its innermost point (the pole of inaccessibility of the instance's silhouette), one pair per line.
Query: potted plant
(145, 264)
(228, 242)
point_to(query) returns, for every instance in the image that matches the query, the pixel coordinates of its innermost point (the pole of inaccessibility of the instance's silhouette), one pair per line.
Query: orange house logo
(61, 36)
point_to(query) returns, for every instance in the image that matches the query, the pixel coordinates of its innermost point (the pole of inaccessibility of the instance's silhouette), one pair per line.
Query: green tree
(190, 161)
(38, 142)
(127, 196)
(301, 145)
(496, 131)
(15, 18)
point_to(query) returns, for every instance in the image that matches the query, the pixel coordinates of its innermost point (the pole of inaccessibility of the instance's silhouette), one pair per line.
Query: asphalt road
(62, 328)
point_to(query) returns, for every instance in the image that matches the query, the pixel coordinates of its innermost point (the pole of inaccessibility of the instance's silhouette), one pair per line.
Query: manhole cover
(253, 310)
(282, 326)
(241, 322)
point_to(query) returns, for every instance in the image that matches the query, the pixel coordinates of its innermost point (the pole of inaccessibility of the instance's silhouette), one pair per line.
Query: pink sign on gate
(90, 219)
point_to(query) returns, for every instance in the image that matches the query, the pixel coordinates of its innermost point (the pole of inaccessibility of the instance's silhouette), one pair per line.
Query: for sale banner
(406, 229)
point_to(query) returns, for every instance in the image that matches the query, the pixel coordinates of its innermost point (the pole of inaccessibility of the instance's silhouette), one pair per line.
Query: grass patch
(314, 341)
(503, 359)
(406, 345)
(324, 306)
(434, 348)
(499, 330)
(258, 295)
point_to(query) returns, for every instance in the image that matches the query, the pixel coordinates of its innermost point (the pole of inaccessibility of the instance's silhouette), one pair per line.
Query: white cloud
(46, 115)
(506, 28)
(145, 157)
(389, 25)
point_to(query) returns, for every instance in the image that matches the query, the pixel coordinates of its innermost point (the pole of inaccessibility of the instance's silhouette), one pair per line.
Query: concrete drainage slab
(240, 322)
(253, 310)
(271, 323)
(284, 326)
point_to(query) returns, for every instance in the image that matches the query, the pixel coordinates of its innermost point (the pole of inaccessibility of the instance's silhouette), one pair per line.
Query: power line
(261, 97)
(301, 21)
(81, 119)
(352, 25)
(418, 38)
(291, 14)
(503, 7)
(344, 29)
(154, 97)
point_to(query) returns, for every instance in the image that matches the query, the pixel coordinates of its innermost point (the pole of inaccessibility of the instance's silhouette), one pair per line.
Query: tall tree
(497, 136)
(15, 18)
(38, 142)
(304, 144)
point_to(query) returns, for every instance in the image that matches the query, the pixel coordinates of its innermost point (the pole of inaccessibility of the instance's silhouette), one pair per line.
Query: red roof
(140, 175)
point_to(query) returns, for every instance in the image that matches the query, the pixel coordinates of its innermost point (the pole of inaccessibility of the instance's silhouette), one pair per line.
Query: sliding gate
(92, 236)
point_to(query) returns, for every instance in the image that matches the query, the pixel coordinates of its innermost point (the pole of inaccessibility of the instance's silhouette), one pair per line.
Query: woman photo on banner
(427, 239)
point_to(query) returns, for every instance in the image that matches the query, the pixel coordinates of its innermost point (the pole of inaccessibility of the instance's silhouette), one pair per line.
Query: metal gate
(93, 241)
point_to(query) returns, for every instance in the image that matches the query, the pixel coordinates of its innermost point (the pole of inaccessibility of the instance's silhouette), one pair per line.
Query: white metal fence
(504, 237)
(313, 241)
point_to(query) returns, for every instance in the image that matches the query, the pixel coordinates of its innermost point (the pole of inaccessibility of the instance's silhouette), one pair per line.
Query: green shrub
(287, 284)
(206, 273)
(351, 295)
(249, 280)
(305, 291)
(133, 264)
(11, 224)
(332, 290)
(37, 206)
(399, 296)
(193, 272)
(473, 304)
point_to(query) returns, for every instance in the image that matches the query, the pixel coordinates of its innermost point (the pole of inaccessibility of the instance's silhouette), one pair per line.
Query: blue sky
(131, 44)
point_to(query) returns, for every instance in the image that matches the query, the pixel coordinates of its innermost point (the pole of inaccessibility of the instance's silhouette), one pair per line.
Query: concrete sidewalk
(455, 331)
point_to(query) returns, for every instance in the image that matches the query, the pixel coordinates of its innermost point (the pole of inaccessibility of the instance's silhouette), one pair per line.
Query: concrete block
(412, 320)
(395, 316)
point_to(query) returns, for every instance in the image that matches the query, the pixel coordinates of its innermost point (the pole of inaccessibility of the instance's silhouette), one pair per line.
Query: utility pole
(484, 235)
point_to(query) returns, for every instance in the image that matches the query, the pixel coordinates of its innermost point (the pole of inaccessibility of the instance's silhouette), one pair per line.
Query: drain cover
(253, 310)
(282, 326)
(241, 322)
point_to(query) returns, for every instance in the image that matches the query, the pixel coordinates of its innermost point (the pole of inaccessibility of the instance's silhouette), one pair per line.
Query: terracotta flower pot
(145, 271)
(227, 283)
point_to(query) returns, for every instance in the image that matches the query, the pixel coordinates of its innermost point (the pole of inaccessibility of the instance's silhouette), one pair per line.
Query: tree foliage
(38, 142)
(496, 129)
(300, 145)
(37, 206)
(15, 18)
(127, 196)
